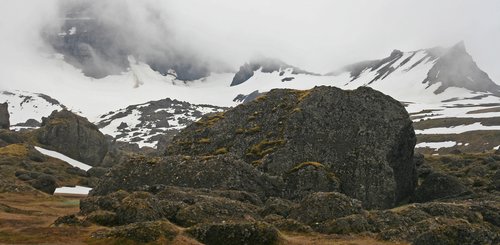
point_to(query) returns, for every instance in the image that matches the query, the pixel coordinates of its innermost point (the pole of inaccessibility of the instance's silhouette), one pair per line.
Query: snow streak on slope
(64, 158)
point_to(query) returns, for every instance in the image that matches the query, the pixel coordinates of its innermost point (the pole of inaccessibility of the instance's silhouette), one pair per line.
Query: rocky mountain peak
(267, 65)
(456, 68)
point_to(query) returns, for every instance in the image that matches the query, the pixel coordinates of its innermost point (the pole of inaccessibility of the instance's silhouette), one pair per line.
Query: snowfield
(457, 130)
(97, 98)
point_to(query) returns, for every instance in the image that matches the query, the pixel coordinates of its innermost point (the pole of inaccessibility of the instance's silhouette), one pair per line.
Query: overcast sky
(317, 35)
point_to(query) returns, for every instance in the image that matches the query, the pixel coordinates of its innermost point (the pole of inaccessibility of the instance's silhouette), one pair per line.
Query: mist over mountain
(98, 41)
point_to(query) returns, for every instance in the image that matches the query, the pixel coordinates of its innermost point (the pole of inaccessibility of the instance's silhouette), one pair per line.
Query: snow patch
(62, 157)
(77, 190)
(436, 145)
(457, 129)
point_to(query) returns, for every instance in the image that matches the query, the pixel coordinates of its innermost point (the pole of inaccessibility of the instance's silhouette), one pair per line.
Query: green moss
(254, 129)
(211, 120)
(257, 163)
(17, 150)
(220, 151)
(306, 164)
(302, 94)
(264, 147)
(203, 141)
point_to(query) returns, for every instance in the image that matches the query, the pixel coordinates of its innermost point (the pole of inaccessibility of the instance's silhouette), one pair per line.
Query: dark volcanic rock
(439, 185)
(359, 142)
(4, 116)
(142, 232)
(427, 223)
(322, 206)
(216, 210)
(219, 172)
(73, 136)
(267, 66)
(457, 233)
(237, 234)
(46, 183)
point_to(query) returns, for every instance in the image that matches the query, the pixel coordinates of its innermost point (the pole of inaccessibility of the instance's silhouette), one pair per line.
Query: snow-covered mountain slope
(148, 123)
(435, 83)
(26, 109)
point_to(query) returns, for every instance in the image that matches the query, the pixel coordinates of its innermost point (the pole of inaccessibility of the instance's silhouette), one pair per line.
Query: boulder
(138, 207)
(359, 142)
(74, 136)
(277, 206)
(46, 183)
(141, 232)
(216, 210)
(4, 116)
(457, 233)
(439, 185)
(322, 206)
(235, 233)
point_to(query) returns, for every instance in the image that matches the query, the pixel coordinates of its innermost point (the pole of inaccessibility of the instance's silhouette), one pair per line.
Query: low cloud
(317, 35)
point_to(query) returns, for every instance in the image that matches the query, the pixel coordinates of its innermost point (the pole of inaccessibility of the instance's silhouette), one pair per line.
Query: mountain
(152, 122)
(267, 65)
(442, 88)
(100, 46)
(27, 109)
(452, 67)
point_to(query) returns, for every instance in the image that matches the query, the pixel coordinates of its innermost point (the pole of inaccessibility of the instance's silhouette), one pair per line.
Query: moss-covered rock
(142, 232)
(223, 172)
(102, 217)
(439, 185)
(216, 210)
(456, 233)
(425, 221)
(257, 233)
(277, 206)
(368, 151)
(289, 225)
(322, 206)
(138, 207)
(73, 136)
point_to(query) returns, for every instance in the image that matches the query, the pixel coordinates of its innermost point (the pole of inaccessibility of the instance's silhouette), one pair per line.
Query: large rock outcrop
(73, 136)
(4, 116)
(356, 142)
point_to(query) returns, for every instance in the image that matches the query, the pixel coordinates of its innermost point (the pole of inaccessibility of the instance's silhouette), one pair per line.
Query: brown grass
(321, 239)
